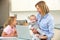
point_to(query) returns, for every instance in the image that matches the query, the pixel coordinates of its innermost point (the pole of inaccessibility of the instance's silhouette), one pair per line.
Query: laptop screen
(23, 32)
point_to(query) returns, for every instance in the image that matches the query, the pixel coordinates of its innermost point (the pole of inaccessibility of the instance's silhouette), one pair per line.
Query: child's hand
(11, 34)
(14, 33)
(14, 30)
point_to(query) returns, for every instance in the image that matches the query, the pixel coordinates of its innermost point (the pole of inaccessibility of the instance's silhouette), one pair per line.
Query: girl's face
(33, 19)
(14, 22)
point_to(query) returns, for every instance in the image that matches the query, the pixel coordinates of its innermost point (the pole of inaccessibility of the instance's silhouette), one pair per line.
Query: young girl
(10, 28)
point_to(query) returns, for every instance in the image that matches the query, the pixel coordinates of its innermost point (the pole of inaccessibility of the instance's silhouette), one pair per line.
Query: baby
(33, 25)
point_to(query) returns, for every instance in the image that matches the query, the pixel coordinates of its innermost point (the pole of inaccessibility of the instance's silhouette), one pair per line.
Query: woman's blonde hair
(43, 6)
(9, 21)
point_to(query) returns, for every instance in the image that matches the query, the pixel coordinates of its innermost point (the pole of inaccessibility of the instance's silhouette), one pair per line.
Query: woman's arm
(43, 37)
(51, 28)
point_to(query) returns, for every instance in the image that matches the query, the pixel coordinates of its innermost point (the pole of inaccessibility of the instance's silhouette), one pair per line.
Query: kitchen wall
(22, 15)
(29, 5)
(4, 11)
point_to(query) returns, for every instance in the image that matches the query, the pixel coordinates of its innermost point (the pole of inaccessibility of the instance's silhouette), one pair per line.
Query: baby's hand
(34, 31)
(32, 28)
(37, 35)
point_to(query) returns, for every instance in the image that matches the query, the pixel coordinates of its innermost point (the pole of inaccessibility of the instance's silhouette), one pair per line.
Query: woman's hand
(43, 37)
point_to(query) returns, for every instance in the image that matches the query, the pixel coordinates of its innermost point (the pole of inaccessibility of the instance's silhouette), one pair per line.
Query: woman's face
(39, 9)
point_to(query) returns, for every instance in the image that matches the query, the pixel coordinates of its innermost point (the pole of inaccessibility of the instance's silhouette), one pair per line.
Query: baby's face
(33, 19)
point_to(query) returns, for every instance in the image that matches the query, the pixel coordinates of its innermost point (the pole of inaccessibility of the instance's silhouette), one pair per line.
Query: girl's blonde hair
(43, 6)
(9, 21)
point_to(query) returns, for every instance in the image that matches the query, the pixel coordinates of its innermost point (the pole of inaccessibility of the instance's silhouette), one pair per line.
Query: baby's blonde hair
(31, 16)
(9, 21)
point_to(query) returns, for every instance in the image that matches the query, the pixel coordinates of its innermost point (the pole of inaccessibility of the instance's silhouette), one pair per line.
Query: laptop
(23, 32)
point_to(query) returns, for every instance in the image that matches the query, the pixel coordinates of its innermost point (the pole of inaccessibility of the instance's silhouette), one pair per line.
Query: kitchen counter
(56, 35)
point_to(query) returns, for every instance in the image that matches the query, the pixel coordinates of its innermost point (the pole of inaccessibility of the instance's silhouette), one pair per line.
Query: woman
(44, 20)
